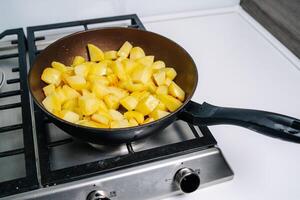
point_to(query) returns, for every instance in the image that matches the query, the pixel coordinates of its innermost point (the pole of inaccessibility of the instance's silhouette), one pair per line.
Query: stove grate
(29, 180)
(131, 157)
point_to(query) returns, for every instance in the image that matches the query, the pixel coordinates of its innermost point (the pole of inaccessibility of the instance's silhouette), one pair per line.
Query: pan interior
(65, 49)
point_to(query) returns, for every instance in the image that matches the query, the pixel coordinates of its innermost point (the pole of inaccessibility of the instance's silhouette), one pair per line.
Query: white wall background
(22, 13)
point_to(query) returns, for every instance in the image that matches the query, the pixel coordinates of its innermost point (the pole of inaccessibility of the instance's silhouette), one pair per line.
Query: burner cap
(2, 78)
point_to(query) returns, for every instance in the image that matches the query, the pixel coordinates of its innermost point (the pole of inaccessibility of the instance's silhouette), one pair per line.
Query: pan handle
(267, 123)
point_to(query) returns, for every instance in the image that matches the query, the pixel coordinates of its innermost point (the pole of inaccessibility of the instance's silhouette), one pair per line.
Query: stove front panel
(150, 181)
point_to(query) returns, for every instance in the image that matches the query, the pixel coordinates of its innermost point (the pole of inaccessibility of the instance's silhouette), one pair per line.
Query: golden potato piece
(146, 61)
(98, 69)
(139, 117)
(151, 86)
(114, 124)
(70, 104)
(69, 116)
(70, 93)
(119, 124)
(100, 90)
(124, 50)
(159, 77)
(51, 76)
(60, 95)
(170, 72)
(88, 105)
(98, 79)
(115, 115)
(141, 74)
(110, 55)
(157, 114)
(78, 60)
(129, 102)
(82, 69)
(52, 103)
(96, 54)
(176, 91)
(113, 79)
(102, 105)
(147, 104)
(140, 94)
(118, 92)
(129, 65)
(59, 66)
(167, 82)
(162, 90)
(103, 119)
(104, 113)
(132, 87)
(49, 89)
(132, 122)
(111, 101)
(118, 69)
(171, 102)
(162, 106)
(77, 82)
(158, 65)
(136, 52)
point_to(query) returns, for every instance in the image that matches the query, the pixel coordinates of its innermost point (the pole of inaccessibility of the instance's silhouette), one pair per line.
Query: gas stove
(40, 161)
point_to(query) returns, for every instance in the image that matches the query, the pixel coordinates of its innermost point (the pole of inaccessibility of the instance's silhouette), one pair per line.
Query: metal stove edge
(140, 182)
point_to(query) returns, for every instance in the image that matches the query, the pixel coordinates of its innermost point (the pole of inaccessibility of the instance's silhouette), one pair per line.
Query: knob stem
(187, 180)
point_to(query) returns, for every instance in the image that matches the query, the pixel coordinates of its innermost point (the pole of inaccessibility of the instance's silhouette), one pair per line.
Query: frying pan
(64, 50)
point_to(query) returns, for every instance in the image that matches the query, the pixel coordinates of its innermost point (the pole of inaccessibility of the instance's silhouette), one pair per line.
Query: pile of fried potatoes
(115, 89)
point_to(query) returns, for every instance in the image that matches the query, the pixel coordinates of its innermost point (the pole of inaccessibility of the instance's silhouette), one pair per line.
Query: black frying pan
(162, 48)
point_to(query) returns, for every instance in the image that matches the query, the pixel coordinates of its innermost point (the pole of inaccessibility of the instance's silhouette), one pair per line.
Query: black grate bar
(60, 142)
(10, 128)
(82, 22)
(129, 148)
(12, 55)
(10, 93)
(136, 20)
(15, 69)
(85, 27)
(36, 39)
(194, 131)
(11, 152)
(11, 81)
(30, 161)
(10, 106)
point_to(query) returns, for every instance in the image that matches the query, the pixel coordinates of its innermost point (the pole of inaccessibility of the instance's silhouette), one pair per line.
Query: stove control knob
(97, 195)
(187, 180)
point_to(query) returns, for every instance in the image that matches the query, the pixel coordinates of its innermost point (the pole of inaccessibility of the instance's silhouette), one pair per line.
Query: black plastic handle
(267, 123)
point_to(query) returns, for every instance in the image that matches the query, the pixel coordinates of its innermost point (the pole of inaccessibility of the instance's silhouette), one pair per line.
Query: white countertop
(241, 65)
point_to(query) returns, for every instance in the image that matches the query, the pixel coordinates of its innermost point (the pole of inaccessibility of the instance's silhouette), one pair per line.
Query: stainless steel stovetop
(40, 161)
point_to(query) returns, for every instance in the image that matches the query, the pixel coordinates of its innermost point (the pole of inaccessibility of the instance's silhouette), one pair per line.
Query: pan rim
(114, 130)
